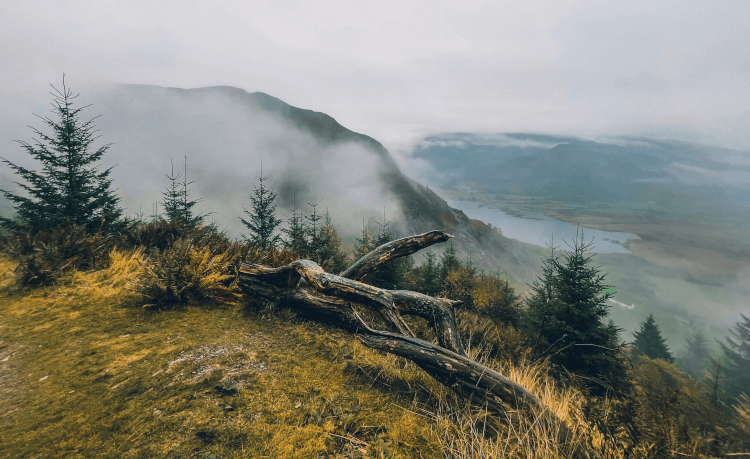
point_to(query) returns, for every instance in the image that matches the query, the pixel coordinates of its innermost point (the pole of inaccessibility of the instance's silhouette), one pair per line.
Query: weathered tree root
(307, 288)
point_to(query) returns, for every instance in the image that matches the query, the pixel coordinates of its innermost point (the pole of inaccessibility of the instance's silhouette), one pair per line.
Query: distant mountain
(226, 132)
(662, 175)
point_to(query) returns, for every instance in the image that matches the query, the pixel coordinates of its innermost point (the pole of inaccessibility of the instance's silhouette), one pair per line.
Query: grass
(85, 371)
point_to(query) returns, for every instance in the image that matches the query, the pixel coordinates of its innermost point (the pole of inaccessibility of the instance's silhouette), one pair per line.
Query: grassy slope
(86, 374)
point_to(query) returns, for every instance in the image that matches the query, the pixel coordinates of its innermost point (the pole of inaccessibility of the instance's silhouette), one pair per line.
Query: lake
(539, 229)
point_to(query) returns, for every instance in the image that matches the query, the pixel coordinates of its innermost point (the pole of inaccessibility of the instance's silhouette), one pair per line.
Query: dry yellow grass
(86, 372)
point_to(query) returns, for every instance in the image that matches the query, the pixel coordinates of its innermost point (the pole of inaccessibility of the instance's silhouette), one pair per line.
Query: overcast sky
(400, 70)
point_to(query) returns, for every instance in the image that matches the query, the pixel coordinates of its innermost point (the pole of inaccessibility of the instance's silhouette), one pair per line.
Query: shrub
(492, 338)
(48, 255)
(495, 298)
(203, 267)
(161, 234)
(183, 273)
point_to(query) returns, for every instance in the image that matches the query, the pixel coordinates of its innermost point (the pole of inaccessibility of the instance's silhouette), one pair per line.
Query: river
(539, 229)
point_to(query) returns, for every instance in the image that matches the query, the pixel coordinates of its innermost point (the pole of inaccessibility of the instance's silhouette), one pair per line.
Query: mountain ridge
(225, 131)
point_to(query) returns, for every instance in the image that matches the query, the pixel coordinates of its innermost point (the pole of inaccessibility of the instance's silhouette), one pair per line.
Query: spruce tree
(329, 254)
(565, 319)
(697, 356)
(313, 222)
(365, 243)
(387, 275)
(649, 342)
(177, 204)
(69, 188)
(172, 197)
(542, 306)
(429, 275)
(296, 233)
(262, 221)
(737, 353)
(448, 262)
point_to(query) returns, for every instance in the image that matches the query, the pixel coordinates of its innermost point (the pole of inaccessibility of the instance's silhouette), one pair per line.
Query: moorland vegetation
(132, 338)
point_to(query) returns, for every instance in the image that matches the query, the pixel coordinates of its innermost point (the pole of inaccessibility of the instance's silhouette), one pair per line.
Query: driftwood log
(306, 288)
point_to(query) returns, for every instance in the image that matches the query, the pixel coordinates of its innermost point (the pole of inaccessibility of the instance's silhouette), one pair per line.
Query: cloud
(225, 140)
(401, 71)
(500, 140)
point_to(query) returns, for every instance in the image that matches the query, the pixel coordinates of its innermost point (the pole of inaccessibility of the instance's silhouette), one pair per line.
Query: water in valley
(539, 229)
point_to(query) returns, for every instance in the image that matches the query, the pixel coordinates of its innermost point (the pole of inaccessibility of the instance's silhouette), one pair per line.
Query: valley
(681, 250)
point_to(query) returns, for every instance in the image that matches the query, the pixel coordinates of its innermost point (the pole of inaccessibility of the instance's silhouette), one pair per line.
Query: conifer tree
(697, 356)
(296, 233)
(365, 243)
(565, 319)
(737, 353)
(313, 221)
(542, 306)
(448, 262)
(649, 342)
(429, 275)
(172, 197)
(262, 221)
(387, 276)
(68, 189)
(177, 204)
(459, 284)
(330, 254)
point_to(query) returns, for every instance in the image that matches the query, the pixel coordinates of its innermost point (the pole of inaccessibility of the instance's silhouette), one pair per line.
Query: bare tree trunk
(308, 289)
(371, 262)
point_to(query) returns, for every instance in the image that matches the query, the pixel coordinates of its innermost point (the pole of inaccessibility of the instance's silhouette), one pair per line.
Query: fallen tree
(340, 299)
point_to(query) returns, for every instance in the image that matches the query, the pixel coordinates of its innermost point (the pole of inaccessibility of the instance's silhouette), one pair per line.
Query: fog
(226, 142)
(400, 71)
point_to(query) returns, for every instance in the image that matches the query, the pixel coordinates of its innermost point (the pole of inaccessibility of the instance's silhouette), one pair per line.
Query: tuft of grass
(184, 272)
(50, 255)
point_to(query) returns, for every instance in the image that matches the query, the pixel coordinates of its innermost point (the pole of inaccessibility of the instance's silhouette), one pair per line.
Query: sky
(401, 70)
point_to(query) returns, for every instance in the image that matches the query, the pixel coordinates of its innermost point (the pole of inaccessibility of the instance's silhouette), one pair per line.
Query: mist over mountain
(226, 134)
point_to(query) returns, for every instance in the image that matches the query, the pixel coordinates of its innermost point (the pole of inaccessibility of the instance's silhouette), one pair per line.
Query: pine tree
(649, 342)
(313, 222)
(697, 356)
(186, 205)
(737, 353)
(542, 306)
(262, 221)
(565, 319)
(69, 189)
(429, 275)
(329, 254)
(387, 275)
(494, 297)
(296, 233)
(177, 205)
(172, 197)
(448, 262)
(365, 243)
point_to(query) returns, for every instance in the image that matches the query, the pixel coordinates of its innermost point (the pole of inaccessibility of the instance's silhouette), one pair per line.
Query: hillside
(87, 372)
(226, 132)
